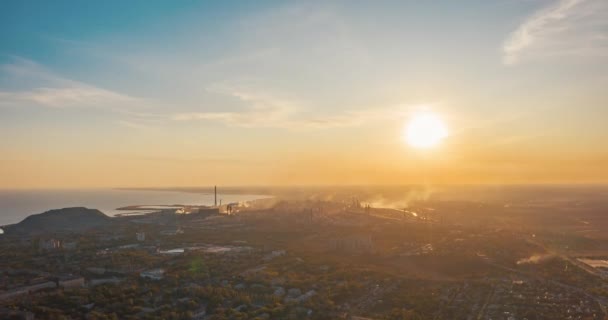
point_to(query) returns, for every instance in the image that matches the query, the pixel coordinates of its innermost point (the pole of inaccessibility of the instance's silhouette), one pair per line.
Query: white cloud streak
(567, 28)
(74, 96)
(51, 90)
(265, 110)
(275, 118)
(260, 108)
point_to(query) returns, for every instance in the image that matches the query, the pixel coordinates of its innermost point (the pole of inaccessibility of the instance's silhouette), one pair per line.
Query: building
(200, 313)
(16, 314)
(153, 274)
(275, 254)
(71, 245)
(141, 236)
(96, 270)
(69, 282)
(11, 294)
(97, 282)
(172, 232)
(49, 244)
(199, 213)
(208, 211)
(353, 244)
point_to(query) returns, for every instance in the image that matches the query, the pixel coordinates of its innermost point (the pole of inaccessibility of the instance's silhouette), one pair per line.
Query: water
(16, 205)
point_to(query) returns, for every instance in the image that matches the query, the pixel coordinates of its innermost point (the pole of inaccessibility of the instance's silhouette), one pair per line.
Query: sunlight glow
(425, 130)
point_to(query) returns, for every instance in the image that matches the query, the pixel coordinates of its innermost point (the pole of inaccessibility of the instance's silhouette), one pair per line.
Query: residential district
(303, 259)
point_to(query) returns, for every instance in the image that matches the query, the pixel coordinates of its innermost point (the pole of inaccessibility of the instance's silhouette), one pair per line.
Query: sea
(16, 205)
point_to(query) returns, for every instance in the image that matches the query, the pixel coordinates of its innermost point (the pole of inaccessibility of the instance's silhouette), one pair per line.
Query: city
(314, 259)
(304, 160)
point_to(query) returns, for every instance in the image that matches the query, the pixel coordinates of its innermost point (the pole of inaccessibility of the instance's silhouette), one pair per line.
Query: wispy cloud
(261, 110)
(74, 96)
(577, 28)
(275, 118)
(50, 90)
(267, 110)
(132, 124)
(185, 158)
(260, 107)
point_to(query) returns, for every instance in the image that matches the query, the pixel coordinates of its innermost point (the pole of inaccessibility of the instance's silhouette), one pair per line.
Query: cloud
(74, 96)
(214, 160)
(132, 124)
(50, 90)
(261, 110)
(266, 110)
(260, 107)
(291, 67)
(275, 118)
(573, 28)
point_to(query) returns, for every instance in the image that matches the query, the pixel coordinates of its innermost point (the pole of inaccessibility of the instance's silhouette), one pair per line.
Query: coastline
(19, 204)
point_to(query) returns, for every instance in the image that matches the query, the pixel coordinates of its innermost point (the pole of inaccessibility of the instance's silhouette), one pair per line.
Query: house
(71, 245)
(68, 282)
(275, 254)
(16, 314)
(7, 295)
(153, 274)
(172, 232)
(353, 243)
(200, 313)
(50, 244)
(96, 270)
(96, 282)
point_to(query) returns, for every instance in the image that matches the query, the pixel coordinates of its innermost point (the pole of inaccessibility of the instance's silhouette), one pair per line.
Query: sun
(425, 130)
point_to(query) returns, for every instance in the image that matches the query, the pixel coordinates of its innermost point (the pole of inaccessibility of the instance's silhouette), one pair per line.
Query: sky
(196, 93)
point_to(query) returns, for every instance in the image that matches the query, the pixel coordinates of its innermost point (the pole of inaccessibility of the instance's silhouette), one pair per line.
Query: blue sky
(293, 82)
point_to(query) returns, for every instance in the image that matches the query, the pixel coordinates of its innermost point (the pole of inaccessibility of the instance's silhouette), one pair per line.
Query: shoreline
(18, 205)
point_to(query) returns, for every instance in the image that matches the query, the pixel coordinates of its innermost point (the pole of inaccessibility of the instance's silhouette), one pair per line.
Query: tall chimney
(215, 194)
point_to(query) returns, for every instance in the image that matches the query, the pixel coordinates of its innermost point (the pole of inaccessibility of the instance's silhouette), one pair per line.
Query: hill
(61, 220)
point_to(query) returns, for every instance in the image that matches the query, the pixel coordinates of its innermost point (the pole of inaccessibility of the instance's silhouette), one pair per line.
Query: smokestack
(215, 194)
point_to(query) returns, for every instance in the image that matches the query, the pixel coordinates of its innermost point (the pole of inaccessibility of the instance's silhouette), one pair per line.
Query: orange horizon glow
(306, 94)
